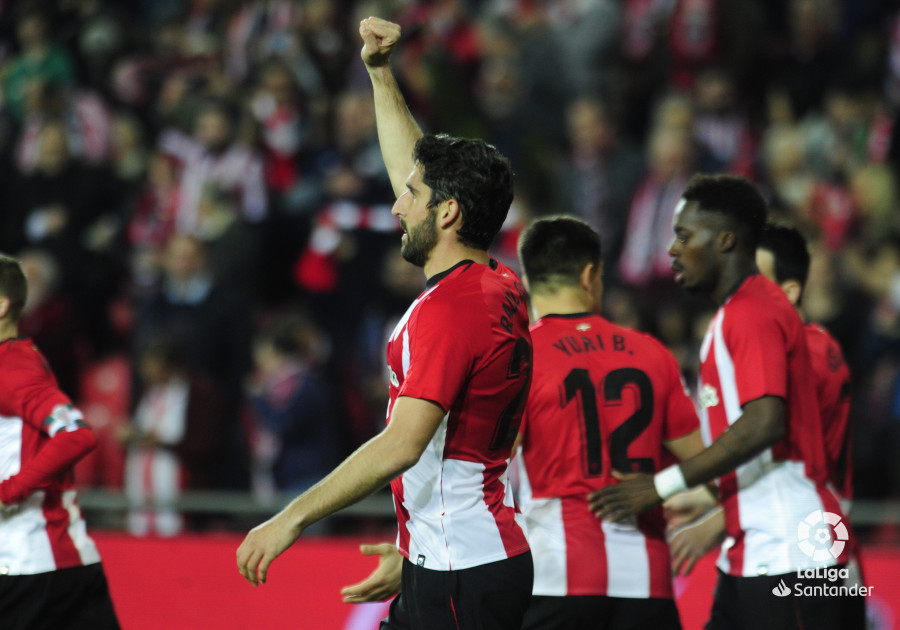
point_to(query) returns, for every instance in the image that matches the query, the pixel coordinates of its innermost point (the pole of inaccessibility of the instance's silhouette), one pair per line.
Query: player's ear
(587, 275)
(448, 212)
(4, 306)
(792, 289)
(727, 241)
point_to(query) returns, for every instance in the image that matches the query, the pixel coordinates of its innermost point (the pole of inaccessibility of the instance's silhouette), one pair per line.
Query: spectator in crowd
(297, 431)
(211, 155)
(212, 322)
(172, 440)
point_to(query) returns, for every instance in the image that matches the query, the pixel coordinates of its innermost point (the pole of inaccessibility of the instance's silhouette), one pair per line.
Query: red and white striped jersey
(463, 344)
(756, 346)
(42, 529)
(602, 397)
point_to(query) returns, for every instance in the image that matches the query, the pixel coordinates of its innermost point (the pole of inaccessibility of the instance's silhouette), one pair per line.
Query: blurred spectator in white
(210, 155)
(297, 439)
(283, 124)
(172, 440)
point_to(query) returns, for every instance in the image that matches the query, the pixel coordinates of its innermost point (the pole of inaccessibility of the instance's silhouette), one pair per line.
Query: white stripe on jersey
(627, 563)
(405, 351)
(771, 510)
(545, 530)
(87, 550)
(725, 367)
(472, 540)
(425, 506)
(10, 446)
(24, 546)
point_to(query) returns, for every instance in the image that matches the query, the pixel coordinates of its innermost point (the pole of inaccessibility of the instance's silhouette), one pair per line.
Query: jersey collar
(433, 280)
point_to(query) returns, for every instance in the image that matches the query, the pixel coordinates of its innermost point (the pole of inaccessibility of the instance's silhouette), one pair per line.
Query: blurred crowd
(196, 190)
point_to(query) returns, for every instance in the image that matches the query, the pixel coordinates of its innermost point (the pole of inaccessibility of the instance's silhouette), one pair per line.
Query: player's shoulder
(20, 358)
(758, 300)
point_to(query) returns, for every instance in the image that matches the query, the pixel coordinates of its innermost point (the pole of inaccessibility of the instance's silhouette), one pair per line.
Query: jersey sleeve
(37, 399)
(757, 345)
(681, 416)
(440, 353)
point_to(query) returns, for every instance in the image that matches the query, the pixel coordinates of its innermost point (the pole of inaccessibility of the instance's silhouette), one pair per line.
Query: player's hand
(635, 493)
(262, 545)
(688, 544)
(686, 507)
(379, 37)
(382, 583)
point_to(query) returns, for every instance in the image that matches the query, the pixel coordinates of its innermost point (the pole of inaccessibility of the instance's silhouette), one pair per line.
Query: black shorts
(750, 603)
(492, 596)
(597, 612)
(67, 599)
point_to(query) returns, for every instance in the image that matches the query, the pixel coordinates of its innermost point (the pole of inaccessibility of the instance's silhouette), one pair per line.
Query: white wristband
(669, 481)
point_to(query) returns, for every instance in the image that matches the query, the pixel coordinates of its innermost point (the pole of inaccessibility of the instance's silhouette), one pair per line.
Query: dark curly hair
(13, 286)
(476, 175)
(736, 199)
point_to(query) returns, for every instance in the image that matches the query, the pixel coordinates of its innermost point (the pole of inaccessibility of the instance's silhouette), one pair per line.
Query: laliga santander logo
(815, 535)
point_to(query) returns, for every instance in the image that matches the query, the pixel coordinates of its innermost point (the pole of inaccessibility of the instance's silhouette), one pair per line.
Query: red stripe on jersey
(402, 516)
(658, 558)
(587, 572)
(504, 516)
(64, 552)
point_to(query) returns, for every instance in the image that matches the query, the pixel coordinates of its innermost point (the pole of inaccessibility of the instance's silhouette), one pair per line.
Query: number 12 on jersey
(578, 386)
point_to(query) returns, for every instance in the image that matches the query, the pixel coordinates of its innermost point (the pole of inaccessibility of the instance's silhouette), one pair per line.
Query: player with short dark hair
(758, 412)
(603, 398)
(459, 363)
(50, 571)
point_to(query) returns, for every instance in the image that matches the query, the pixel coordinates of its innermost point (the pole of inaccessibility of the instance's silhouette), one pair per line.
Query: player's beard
(420, 240)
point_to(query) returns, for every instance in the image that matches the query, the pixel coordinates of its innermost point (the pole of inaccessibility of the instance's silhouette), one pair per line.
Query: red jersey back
(463, 344)
(603, 397)
(832, 378)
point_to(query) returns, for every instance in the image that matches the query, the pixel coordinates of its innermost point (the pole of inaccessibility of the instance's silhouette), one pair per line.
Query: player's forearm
(59, 454)
(745, 439)
(397, 129)
(370, 467)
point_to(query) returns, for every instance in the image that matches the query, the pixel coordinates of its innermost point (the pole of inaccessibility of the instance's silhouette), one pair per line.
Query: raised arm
(397, 130)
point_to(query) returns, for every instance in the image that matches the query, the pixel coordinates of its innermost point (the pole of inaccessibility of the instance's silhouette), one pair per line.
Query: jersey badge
(708, 397)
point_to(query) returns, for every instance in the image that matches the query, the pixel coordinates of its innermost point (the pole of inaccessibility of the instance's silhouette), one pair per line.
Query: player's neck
(562, 302)
(446, 254)
(735, 270)
(8, 331)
